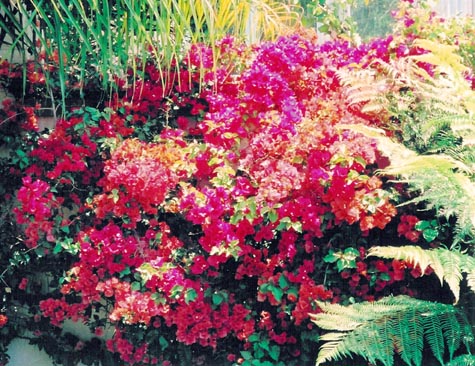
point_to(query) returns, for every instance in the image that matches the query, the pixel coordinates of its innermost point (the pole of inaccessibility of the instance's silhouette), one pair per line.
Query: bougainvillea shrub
(201, 215)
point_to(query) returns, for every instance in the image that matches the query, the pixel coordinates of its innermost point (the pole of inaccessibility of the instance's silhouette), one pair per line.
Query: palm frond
(111, 38)
(398, 324)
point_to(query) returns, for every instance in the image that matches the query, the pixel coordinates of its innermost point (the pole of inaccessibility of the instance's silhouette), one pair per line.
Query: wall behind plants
(448, 8)
(22, 353)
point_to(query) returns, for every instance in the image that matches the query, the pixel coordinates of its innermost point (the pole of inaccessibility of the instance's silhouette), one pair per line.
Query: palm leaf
(114, 36)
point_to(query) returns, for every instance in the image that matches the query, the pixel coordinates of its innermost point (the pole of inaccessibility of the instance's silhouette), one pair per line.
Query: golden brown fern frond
(365, 89)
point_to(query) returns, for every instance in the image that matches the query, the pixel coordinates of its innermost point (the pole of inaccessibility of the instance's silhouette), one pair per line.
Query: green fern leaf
(452, 269)
(408, 341)
(441, 55)
(433, 335)
(453, 333)
(463, 360)
(398, 324)
(330, 350)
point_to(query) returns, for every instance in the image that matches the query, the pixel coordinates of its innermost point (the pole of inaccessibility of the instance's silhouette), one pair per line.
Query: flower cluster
(37, 208)
(186, 238)
(3, 320)
(407, 229)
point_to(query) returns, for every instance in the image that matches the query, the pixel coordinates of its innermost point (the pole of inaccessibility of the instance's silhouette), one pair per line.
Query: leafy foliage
(204, 209)
(439, 180)
(463, 360)
(448, 265)
(376, 330)
(94, 42)
(427, 135)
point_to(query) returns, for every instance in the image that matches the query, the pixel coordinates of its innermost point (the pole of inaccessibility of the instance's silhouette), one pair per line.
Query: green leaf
(264, 344)
(214, 161)
(324, 28)
(136, 286)
(190, 295)
(430, 234)
(297, 226)
(246, 355)
(126, 271)
(176, 291)
(352, 252)
(422, 225)
(258, 354)
(283, 282)
(217, 298)
(115, 195)
(277, 293)
(331, 257)
(272, 216)
(251, 205)
(340, 265)
(254, 338)
(158, 298)
(236, 218)
(274, 352)
(163, 343)
(58, 248)
(264, 288)
(285, 223)
(264, 363)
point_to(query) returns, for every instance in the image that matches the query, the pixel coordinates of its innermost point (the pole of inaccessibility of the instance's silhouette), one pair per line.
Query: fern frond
(346, 325)
(441, 55)
(463, 360)
(452, 334)
(434, 335)
(452, 269)
(330, 350)
(448, 265)
(468, 267)
(409, 341)
(439, 180)
(365, 89)
(411, 254)
(398, 324)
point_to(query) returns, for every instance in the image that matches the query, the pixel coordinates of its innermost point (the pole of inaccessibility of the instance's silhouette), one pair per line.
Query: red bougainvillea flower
(37, 206)
(406, 228)
(3, 320)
